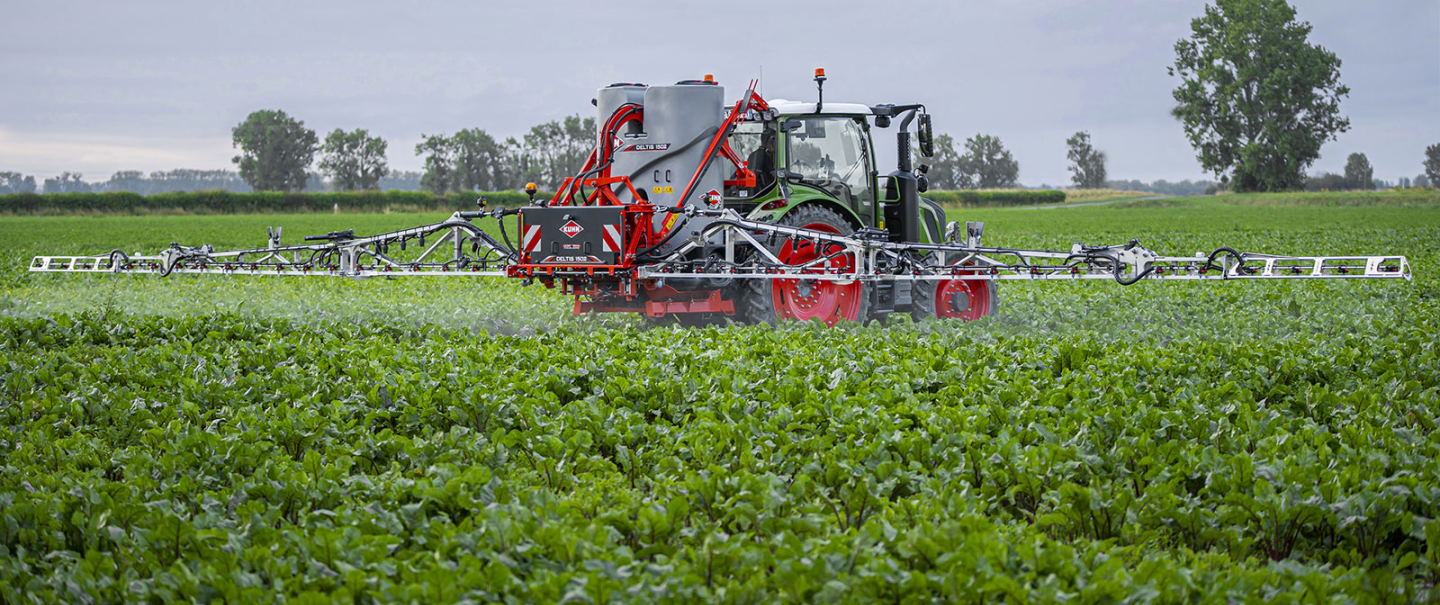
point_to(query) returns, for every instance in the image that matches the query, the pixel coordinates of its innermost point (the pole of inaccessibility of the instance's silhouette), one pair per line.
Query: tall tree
(987, 164)
(944, 165)
(1358, 173)
(14, 182)
(479, 162)
(133, 181)
(354, 160)
(1432, 163)
(67, 182)
(1087, 164)
(1257, 100)
(545, 143)
(521, 165)
(439, 155)
(578, 143)
(275, 151)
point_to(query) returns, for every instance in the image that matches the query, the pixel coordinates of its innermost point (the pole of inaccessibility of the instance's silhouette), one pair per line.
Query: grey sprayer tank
(680, 121)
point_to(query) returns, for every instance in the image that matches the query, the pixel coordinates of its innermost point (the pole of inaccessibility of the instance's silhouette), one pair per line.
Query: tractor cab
(800, 156)
(822, 154)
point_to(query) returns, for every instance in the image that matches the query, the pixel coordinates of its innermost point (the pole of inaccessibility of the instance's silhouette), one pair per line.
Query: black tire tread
(757, 298)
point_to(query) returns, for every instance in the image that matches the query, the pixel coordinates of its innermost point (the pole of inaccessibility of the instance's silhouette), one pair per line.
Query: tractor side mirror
(925, 135)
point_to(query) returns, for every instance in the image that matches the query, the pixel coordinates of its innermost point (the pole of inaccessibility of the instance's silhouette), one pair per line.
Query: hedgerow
(978, 199)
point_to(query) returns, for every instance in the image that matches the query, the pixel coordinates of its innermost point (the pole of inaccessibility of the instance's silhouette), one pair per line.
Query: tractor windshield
(831, 153)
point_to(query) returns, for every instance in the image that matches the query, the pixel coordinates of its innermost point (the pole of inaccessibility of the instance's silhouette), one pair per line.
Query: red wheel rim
(967, 299)
(807, 299)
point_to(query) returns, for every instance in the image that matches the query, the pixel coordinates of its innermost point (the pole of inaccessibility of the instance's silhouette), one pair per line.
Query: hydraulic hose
(674, 229)
(117, 256)
(1125, 282)
(500, 218)
(604, 150)
(1224, 250)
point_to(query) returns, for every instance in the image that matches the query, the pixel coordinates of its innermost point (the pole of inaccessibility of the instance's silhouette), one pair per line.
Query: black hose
(501, 219)
(122, 258)
(1210, 262)
(602, 150)
(674, 229)
(580, 180)
(1125, 282)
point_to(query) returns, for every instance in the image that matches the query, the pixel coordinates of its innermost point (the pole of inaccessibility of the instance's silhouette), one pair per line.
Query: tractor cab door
(756, 144)
(832, 154)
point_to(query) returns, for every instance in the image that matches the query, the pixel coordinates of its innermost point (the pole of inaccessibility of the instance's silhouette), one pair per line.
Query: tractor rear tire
(963, 299)
(772, 300)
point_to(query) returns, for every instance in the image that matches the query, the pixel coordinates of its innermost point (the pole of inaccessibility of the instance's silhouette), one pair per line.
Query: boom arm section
(883, 260)
(460, 248)
(457, 247)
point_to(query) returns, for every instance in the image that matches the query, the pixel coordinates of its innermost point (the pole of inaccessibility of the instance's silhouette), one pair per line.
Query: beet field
(313, 440)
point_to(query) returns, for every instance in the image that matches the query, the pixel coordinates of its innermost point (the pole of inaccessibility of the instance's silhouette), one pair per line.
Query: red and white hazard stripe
(531, 240)
(612, 241)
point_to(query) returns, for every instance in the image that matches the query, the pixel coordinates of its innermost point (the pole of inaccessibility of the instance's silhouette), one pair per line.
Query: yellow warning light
(529, 186)
(710, 78)
(819, 72)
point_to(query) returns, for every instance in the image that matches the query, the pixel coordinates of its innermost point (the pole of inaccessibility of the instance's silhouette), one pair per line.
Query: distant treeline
(1162, 186)
(230, 202)
(971, 199)
(183, 180)
(169, 181)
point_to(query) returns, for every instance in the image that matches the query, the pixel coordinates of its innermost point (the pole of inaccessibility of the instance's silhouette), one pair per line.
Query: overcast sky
(97, 87)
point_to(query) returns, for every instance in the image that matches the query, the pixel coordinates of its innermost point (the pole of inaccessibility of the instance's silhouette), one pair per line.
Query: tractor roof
(783, 107)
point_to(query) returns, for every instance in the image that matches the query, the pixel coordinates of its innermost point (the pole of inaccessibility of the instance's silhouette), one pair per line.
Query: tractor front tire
(773, 300)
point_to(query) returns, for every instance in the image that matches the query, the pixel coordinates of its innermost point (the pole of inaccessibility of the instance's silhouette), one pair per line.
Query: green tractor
(816, 170)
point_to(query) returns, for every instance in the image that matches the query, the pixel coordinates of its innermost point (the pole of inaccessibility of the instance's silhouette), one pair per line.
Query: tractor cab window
(754, 142)
(831, 153)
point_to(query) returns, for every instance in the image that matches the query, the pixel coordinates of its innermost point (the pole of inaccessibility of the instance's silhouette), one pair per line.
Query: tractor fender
(824, 202)
(932, 217)
(849, 214)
